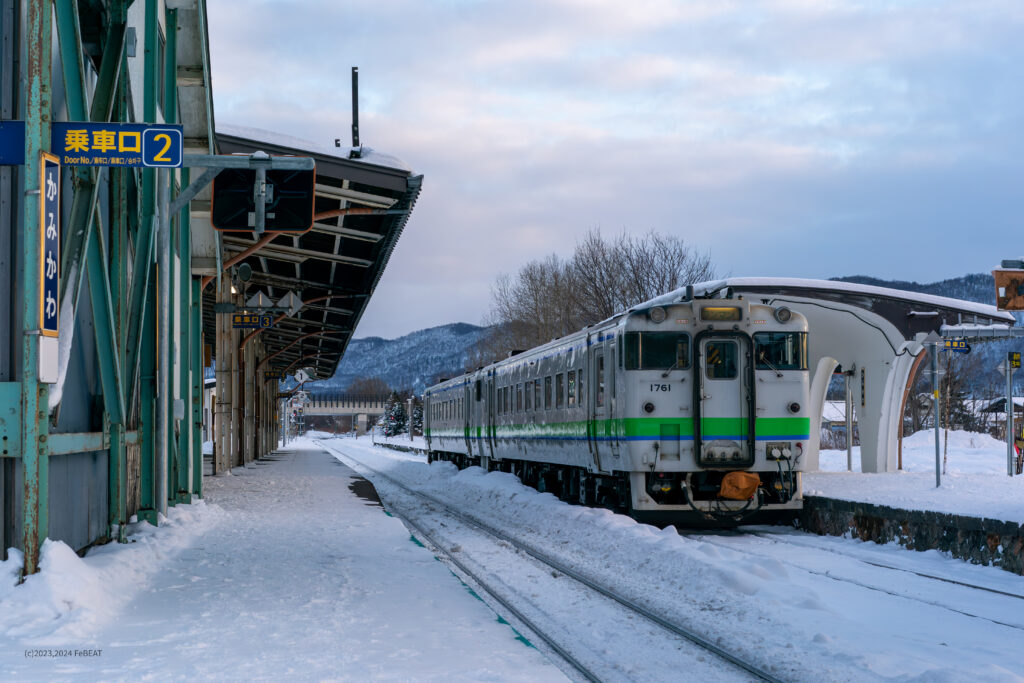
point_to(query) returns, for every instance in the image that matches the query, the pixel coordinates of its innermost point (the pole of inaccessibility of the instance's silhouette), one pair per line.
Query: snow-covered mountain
(414, 361)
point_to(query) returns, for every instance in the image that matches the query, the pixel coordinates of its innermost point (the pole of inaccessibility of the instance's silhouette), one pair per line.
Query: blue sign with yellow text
(117, 144)
(49, 248)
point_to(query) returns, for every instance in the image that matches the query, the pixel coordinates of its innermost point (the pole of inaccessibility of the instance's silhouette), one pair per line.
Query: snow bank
(70, 598)
(974, 483)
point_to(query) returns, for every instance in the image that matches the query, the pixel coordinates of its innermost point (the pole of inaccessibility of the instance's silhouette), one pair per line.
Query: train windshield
(780, 350)
(657, 350)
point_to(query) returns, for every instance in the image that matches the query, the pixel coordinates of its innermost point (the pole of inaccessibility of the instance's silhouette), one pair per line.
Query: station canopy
(343, 255)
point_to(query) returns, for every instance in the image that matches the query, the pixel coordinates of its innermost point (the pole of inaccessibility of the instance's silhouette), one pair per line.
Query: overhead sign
(12, 143)
(251, 321)
(49, 246)
(958, 345)
(272, 374)
(289, 206)
(117, 144)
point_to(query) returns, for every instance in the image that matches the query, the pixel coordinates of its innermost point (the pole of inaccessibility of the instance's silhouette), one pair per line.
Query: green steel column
(147, 414)
(118, 463)
(146, 295)
(197, 388)
(34, 395)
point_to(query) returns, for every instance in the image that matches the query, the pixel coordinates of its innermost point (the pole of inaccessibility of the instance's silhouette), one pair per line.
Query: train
(683, 410)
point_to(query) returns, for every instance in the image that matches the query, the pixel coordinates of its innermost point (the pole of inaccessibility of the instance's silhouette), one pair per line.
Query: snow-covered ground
(282, 573)
(975, 482)
(808, 608)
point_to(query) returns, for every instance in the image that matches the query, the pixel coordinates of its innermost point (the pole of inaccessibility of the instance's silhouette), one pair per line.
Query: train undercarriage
(686, 499)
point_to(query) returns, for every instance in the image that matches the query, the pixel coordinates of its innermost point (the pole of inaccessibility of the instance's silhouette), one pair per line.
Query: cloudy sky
(782, 137)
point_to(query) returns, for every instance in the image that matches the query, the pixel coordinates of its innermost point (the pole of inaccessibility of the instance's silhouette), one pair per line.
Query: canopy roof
(342, 255)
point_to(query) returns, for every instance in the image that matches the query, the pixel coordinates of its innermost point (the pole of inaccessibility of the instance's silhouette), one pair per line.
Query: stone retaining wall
(976, 540)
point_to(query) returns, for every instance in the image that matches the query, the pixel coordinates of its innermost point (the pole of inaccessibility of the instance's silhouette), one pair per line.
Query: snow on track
(809, 627)
(585, 624)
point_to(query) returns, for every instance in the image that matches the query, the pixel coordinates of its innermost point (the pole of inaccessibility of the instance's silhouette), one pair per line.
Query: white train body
(648, 410)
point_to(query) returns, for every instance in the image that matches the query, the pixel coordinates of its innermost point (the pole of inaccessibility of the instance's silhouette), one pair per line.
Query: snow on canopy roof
(368, 155)
(739, 283)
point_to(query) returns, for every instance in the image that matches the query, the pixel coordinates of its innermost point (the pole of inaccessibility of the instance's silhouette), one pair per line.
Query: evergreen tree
(417, 416)
(395, 417)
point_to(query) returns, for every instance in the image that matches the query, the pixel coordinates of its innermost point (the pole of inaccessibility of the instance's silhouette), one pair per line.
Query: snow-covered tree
(395, 418)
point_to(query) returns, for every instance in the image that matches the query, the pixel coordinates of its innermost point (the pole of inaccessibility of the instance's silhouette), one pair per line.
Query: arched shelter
(875, 333)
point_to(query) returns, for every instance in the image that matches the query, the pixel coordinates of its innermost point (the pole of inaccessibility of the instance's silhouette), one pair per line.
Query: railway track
(806, 564)
(555, 568)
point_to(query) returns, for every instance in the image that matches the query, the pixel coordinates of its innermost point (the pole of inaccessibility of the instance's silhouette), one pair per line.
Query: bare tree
(550, 297)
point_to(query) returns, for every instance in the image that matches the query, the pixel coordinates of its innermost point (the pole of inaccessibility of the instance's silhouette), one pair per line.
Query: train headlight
(794, 407)
(783, 314)
(657, 314)
(648, 407)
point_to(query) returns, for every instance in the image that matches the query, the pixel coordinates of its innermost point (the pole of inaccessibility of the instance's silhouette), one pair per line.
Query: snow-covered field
(975, 482)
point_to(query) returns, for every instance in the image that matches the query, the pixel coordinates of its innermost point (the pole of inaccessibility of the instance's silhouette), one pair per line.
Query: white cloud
(774, 134)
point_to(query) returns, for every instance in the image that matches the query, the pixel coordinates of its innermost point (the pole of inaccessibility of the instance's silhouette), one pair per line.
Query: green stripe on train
(645, 428)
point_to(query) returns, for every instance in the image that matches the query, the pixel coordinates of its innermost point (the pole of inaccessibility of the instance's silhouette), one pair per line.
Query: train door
(597, 400)
(723, 428)
(467, 412)
(490, 397)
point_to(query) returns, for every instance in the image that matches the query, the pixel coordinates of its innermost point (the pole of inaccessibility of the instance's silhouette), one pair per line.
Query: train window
(547, 393)
(720, 359)
(478, 387)
(579, 385)
(657, 350)
(571, 399)
(780, 350)
(527, 395)
(536, 394)
(599, 398)
(559, 390)
(519, 397)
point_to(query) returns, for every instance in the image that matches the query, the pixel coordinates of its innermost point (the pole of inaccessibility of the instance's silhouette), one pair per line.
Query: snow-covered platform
(290, 569)
(975, 514)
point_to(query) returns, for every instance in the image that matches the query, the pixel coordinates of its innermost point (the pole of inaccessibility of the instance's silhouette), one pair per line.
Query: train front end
(716, 410)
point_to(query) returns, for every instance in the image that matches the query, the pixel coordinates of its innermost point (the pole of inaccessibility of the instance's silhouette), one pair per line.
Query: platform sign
(251, 321)
(272, 374)
(117, 144)
(12, 143)
(1013, 359)
(957, 346)
(49, 246)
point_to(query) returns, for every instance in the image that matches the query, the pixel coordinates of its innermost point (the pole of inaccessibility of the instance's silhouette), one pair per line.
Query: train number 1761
(661, 387)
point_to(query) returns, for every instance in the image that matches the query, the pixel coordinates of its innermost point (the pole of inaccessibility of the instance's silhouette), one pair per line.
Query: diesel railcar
(652, 411)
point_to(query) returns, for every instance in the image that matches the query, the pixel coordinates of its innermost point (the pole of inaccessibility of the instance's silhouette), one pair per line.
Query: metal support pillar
(36, 91)
(222, 406)
(935, 410)
(164, 297)
(196, 357)
(847, 377)
(238, 458)
(147, 405)
(250, 403)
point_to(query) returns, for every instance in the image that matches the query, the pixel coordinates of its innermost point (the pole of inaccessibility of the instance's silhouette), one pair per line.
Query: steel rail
(867, 586)
(776, 538)
(676, 629)
(526, 621)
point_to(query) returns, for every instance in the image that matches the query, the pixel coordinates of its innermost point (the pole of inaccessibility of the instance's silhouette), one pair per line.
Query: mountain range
(417, 360)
